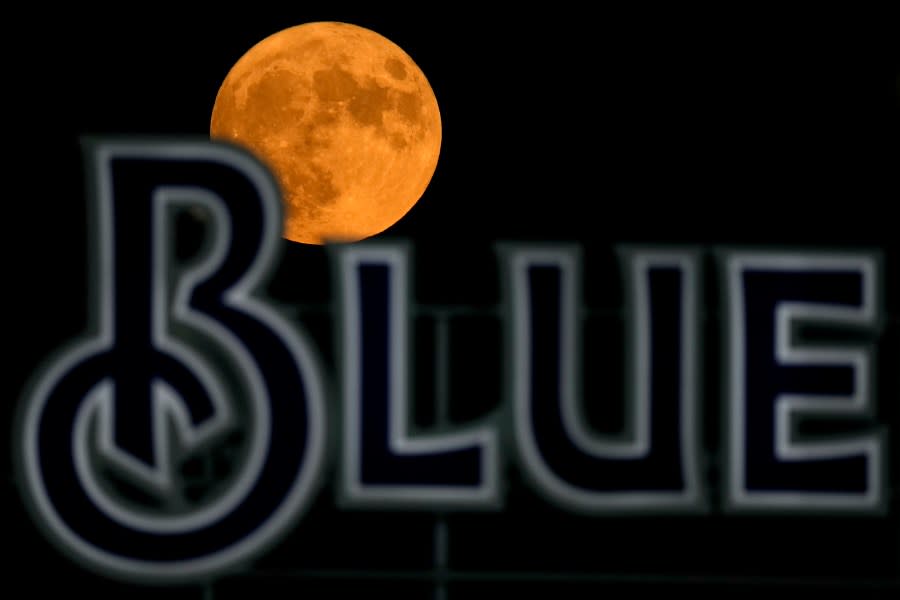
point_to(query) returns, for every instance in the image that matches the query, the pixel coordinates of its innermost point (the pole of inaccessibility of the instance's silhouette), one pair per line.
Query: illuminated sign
(187, 361)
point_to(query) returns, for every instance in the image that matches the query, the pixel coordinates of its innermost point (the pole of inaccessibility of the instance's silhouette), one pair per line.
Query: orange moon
(345, 120)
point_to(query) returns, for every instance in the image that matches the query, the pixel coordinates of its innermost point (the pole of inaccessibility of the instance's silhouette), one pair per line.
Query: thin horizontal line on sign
(877, 583)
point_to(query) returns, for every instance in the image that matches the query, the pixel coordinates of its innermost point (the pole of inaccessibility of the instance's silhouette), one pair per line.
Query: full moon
(345, 120)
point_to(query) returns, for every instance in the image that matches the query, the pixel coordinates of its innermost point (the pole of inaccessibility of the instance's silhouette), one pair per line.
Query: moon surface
(345, 120)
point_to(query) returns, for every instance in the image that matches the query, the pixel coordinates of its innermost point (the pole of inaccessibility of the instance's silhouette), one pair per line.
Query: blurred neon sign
(184, 359)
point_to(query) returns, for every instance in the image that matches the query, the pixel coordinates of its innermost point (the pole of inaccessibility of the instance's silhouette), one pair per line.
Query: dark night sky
(648, 117)
(622, 126)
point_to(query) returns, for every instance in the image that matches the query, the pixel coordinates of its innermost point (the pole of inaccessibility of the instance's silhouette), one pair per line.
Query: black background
(690, 127)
